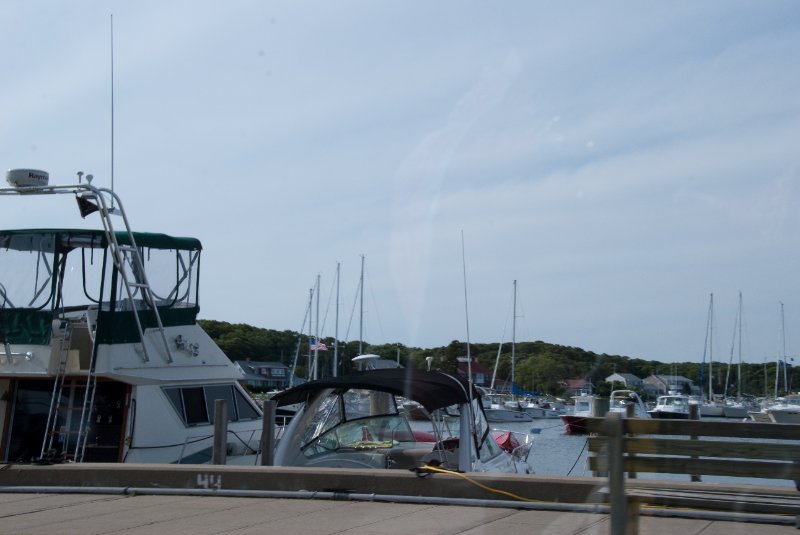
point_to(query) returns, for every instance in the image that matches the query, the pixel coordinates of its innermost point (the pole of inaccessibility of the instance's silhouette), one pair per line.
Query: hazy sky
(620, 160)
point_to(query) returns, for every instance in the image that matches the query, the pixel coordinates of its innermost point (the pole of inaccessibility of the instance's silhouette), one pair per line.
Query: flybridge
(137, 295)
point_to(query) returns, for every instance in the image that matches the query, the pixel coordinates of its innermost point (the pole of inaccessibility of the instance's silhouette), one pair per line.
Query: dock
(206, 499)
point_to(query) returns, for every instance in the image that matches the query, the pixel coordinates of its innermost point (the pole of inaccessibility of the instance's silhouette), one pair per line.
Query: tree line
(538, 366)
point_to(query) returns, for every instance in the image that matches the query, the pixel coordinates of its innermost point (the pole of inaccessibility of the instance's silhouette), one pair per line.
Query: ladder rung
(137, 285)
(127, 248)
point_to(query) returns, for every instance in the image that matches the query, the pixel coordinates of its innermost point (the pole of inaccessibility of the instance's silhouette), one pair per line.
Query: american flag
(318, 346)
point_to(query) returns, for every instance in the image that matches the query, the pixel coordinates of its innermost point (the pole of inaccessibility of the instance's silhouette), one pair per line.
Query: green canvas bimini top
(34, 239)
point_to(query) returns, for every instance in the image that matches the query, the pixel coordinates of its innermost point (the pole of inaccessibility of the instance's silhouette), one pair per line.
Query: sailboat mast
(514, 339)
(316, 335)
(711, 348)
(361, 314)
(466, 314)
(310, 303)
(781, 357)
(336, 325)
(739, 367)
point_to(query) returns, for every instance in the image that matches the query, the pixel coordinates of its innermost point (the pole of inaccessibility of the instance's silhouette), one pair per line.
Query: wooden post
(599, 407)
(694, 414)
(630, 412)
(268, 434)
(220, 450)
(598, 412)
(616, 476)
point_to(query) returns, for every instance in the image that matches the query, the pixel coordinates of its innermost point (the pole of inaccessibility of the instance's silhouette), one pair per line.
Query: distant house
(662, 384)
(628, 380)
(574, 387)
(481, 375)
(264, 374)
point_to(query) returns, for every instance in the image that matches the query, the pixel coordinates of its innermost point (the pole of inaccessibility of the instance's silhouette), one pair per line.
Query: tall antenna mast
(112, 110)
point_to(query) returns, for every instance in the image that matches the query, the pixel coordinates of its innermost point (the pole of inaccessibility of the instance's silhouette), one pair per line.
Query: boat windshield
(339, 414)
(673, 401)
(364, 433)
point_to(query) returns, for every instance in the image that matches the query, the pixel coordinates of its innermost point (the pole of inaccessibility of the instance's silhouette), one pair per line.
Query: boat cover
(42, 239)
(431, 389)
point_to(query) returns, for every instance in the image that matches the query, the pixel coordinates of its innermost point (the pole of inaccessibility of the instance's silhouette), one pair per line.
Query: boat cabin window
(196, 404)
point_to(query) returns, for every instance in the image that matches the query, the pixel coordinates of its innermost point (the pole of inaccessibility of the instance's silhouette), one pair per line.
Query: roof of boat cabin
(433, 390)
(70, 238)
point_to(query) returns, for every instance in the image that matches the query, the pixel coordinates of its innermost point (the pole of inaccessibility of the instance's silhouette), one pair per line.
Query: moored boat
(102, 358)
(786, 410)
(357, 421)
(671, 406)
(619, 400)
(575, 423)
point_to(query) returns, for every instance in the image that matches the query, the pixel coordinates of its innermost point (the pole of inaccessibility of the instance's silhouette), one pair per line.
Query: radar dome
(25, 178)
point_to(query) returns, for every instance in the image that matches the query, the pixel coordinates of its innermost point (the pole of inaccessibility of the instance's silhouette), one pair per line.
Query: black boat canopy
(433, 390)
(65, 239)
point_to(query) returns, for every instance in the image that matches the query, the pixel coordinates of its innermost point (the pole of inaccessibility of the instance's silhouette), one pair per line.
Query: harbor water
(556, 453)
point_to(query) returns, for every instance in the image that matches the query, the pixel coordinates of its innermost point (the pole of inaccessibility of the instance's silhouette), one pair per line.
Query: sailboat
(710, 405)
(735, 408)
(786, 409)
(505, 407)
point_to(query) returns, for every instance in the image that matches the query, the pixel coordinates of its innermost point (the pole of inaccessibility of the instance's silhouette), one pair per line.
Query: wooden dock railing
(694, 448)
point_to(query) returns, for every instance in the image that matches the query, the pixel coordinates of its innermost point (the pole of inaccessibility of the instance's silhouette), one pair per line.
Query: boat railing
(247, 445)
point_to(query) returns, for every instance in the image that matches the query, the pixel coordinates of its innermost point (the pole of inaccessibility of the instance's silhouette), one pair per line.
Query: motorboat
(358, 421)
(786, 410)
(541, 409)
(575, 423)
(735, 409)
(672, 406)
(102, 359)
(619, 400)
(500, 408)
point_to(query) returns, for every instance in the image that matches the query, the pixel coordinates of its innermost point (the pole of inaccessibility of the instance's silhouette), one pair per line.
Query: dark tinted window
(194, 404)
(213, 393)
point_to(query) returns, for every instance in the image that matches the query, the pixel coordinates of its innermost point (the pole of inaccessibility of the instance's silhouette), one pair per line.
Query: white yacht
(101, 357)
(786, 410)
(673, 406)
(619, 400)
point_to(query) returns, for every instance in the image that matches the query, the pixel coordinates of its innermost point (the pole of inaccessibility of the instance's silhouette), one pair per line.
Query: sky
(621, 161)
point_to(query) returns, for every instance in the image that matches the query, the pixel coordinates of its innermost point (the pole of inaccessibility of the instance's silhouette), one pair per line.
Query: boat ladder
(65, 339)
(128, 261)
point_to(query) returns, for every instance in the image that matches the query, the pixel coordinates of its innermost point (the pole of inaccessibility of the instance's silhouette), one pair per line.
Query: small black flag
(86, 206)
